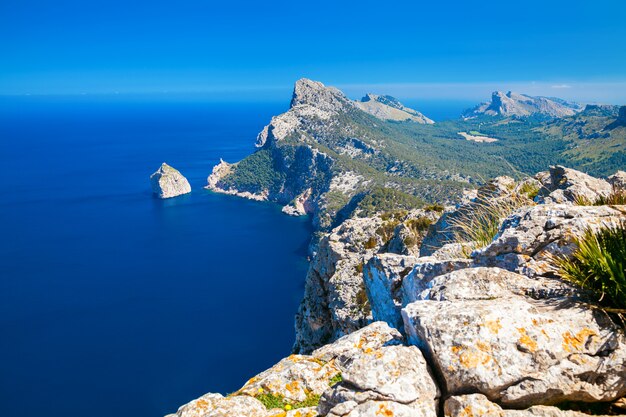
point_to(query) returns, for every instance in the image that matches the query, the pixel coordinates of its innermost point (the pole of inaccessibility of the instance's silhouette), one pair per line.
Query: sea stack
(168, 182)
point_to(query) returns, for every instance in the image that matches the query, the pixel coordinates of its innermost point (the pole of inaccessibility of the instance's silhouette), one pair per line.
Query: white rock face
(514, 104)
(479, 405)
(167, 182)
(531, 237)
(564, 185)
(387, 380)
(514, 349)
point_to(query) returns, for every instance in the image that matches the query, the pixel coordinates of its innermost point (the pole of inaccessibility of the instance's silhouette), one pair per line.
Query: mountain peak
(316, 94)
(521, 105)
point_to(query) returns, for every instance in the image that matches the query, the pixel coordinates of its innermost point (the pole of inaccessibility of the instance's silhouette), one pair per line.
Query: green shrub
(599, 265)
(335, 380)
(439, 208)
(529, 189)
(385, 231)
(387, 199)
(370, 243)
(616, 198)
(271, 401)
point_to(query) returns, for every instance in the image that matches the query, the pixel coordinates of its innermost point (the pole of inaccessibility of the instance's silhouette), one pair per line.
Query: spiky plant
(599, 265)
(481, 222)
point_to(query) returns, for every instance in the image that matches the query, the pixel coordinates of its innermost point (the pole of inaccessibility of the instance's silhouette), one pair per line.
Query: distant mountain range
(520, 105)
(332, 157)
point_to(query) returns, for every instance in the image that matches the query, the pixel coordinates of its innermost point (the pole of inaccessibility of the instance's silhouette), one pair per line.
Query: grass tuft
(481, 223)
(599, 265)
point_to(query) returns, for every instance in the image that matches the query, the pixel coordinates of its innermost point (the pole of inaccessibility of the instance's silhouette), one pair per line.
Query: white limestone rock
(168, 182)
(216, 405)
(479, 405)
(520, 105)
(395, 375)
(519, 351)
(565, 185)
(530, 238)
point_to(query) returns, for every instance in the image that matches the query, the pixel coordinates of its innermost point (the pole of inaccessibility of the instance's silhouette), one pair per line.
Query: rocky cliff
(470, 328)
(328, 151)
(520, 105)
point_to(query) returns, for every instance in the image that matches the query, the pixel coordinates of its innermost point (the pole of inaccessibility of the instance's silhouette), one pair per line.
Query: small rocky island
(168, 182)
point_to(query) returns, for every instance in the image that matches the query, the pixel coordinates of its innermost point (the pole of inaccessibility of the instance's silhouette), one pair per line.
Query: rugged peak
(521, 105)
(316, 94)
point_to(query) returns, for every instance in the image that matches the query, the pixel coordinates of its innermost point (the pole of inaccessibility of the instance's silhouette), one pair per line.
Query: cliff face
(168, 182)
(324, 151)
(387, 330)
(520, 105)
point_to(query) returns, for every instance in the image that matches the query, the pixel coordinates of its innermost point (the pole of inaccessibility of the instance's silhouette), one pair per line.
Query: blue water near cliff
(115, 303)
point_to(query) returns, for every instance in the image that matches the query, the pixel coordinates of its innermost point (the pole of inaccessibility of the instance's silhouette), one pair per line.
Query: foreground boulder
(392, 380)
(479, 405)
(517, 350)
(565, 185)
(530, 238)
(302, 379)
(168, 182)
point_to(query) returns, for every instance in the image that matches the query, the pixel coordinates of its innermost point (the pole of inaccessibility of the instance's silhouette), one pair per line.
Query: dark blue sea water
(112, 302)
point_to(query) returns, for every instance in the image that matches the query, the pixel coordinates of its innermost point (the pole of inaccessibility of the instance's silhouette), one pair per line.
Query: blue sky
(572, 49)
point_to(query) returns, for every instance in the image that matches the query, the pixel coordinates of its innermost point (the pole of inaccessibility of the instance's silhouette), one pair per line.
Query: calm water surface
(114, 303)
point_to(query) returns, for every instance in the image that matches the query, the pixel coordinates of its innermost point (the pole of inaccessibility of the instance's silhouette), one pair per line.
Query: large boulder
(390, 281)
(479, 405)
(565, 185)
(168, 182)
(530, 238)
(493, 338)
(394, 378)
(618, 180)
(299, 378)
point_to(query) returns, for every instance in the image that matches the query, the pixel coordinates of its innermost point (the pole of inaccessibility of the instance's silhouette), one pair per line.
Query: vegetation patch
(439, 208)
(385, 200)
(335, 380)
(254, 173)
(480, 223)
(599, 265)
(529, 190)
(272, 401)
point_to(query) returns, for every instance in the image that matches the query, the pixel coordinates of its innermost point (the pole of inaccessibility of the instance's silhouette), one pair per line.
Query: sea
(114, 302)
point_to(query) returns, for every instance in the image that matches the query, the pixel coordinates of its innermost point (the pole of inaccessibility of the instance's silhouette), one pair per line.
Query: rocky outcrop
(300, 378)
(565, 185)
(532, 237)
(389, 108)
(520, 105)
(517, 350)
(620, 121)
(478, 405)
(392, 380)
(385, 331)
(168, 182)
(618, 180)
(335, 301)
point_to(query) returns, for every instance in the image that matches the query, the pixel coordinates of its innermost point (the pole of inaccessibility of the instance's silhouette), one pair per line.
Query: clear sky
(572, 49)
